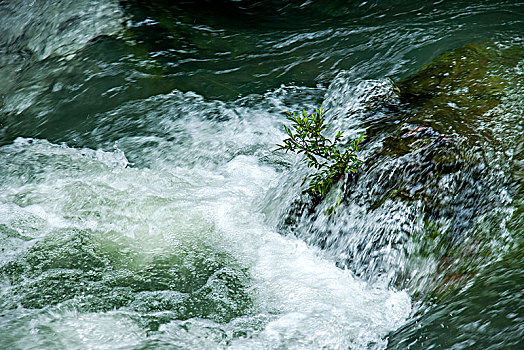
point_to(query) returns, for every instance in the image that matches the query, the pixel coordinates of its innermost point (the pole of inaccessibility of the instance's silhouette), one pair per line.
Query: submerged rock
(92, 271)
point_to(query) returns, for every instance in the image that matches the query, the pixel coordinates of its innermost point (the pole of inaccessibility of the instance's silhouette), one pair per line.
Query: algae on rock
(456, 90)
(443, 157)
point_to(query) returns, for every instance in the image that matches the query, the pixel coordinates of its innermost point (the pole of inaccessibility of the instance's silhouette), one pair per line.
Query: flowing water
(142, 205)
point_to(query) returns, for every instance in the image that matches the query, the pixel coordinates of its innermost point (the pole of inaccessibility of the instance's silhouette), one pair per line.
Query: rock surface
(441, 170)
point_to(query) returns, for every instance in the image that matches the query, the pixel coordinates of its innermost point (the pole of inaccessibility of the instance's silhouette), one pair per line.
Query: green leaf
(332, 163)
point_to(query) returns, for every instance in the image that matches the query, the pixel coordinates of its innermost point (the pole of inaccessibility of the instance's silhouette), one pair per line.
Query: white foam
(301, 300)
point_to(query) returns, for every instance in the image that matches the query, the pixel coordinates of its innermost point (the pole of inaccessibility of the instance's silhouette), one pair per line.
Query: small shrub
(331, 161)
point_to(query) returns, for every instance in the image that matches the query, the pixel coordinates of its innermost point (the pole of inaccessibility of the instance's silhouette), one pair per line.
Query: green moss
(459, 86)
(444, 135)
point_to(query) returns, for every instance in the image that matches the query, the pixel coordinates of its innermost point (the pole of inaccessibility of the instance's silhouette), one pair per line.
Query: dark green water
(142, 207)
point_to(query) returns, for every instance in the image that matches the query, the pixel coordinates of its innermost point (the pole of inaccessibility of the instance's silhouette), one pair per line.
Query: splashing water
(174, 251)
(141, 205)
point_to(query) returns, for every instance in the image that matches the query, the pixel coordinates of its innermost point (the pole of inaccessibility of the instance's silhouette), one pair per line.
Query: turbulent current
(143, 205)
(174, 251)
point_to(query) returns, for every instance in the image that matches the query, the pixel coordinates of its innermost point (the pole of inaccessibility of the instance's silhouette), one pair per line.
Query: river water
(142, 205)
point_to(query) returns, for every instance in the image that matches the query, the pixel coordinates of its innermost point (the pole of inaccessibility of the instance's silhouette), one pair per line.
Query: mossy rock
(451, 101)
(460, 86)
(442, 109)
(433, 159)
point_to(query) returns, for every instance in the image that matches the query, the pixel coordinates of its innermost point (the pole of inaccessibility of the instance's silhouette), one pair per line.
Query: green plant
(331, 161)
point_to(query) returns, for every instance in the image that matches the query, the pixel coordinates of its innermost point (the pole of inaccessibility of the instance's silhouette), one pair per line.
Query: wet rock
(435, 191)
(458, 90)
